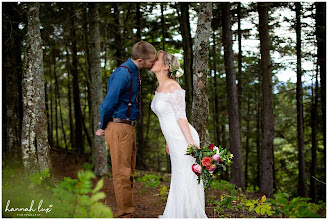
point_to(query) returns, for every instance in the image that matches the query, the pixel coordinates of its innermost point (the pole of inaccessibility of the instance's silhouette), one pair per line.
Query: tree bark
(200, 110)
(232, 96)
(59, 104)
(187, 55)
(11, 76)
(314, 121)
(266, 185)
(48, 115)
(299, 104)
(71, 124)
(140, 134)
(247, 143)
(321, 42)
(216, 98)
(239, 76)
(138, 21)
(163, 26)
(119, 50)
(76, 91)
(87, 65)
(56, 102)
(99, 148)
(33, 67)
(258, 134)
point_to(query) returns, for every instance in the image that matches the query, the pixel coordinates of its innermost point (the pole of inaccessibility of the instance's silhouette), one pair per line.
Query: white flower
(179, 73)
(231, 155)
(216, 150)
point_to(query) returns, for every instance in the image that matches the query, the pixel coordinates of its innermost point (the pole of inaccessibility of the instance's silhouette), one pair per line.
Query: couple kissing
(119, 112)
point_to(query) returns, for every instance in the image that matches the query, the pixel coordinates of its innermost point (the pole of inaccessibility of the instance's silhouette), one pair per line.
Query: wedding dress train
(186, 197)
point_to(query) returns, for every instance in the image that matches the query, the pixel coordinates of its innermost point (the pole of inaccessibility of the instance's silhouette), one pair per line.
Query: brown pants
(121, 140)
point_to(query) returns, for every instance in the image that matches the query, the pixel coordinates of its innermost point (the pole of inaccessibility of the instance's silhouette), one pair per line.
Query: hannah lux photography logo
(30, 211)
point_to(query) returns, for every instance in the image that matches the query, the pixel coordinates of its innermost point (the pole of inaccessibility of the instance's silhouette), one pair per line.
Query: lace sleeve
(178, 104)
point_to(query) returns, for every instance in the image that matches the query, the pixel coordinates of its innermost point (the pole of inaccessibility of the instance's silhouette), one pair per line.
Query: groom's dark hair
(142, 50)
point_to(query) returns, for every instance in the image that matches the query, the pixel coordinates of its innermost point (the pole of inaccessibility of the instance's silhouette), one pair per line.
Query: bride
(186, 197)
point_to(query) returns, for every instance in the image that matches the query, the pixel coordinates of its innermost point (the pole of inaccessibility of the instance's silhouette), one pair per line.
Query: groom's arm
(114, 87)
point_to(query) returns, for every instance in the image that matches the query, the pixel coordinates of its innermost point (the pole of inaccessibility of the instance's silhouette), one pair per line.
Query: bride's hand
(167, 149)
(196, 146)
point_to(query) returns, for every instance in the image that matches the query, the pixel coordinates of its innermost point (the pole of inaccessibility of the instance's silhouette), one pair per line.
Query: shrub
(69, 198)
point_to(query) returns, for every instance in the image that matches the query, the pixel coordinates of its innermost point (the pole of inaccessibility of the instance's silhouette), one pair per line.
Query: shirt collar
(133, 67)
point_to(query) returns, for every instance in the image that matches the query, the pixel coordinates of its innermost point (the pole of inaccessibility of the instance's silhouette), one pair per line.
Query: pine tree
(200, 110)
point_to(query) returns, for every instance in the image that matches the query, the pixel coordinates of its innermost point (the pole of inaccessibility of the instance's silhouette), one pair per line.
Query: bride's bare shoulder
(174, 86)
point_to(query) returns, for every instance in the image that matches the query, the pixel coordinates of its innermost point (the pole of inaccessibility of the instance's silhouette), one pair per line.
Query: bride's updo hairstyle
(172, 61)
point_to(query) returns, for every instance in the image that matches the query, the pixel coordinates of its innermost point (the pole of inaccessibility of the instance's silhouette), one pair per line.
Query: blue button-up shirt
(116, 101)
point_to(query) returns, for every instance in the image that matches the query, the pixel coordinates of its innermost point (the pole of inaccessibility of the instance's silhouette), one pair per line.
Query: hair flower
(177, 73)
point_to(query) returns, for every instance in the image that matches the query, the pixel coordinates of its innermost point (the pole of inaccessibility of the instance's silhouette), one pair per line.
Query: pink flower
(206, 161)
(197, 169)
(211, 147)
(211, 168)
(216, 157)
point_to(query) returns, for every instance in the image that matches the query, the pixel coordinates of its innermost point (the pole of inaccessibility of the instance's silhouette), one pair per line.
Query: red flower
(211, 147)
(211, 167)
(206, 161)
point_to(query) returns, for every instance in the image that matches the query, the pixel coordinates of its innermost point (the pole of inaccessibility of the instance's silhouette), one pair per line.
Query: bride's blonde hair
(170, 60)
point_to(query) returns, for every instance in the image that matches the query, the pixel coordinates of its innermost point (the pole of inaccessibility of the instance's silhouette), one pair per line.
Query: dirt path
(147, 204)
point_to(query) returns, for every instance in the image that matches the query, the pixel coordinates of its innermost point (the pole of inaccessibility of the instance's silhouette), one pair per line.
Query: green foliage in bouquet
(210, 161)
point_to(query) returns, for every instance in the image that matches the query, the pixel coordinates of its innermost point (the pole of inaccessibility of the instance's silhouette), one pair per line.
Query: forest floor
(147, 204)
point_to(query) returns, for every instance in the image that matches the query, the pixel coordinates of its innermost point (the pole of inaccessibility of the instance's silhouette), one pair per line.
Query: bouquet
(210, 161)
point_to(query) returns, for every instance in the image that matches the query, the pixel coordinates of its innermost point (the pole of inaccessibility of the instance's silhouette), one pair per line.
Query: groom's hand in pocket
(167, 149)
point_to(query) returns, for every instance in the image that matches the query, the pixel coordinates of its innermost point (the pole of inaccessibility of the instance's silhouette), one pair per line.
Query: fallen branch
(318, 180)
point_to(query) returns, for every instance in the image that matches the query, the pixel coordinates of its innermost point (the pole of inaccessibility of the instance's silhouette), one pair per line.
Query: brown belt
(124, 121)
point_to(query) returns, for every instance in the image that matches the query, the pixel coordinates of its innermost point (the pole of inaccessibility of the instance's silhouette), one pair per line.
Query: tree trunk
(59, 104)
(258, 134)
(239, 76)
(140, 134)
(299, 102)
(232, 96)
(138, 21)
(99, 148)
(266, 185)
(321, 42)
(247, 143)
(51, 134)
(56, 105)
(216, 98)
(87, 65)
(200, 110)
(32, 66)
(163, 25)
(187, 55)
(11, 76)
(48, 116)
(314, 120)
(119, 50)
(71, 124)
(76, 91)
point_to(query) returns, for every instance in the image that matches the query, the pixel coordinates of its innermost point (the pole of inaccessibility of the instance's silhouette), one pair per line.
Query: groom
(118, 113)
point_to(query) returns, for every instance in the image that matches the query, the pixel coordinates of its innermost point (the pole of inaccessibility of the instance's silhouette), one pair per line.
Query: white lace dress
(186, 197)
